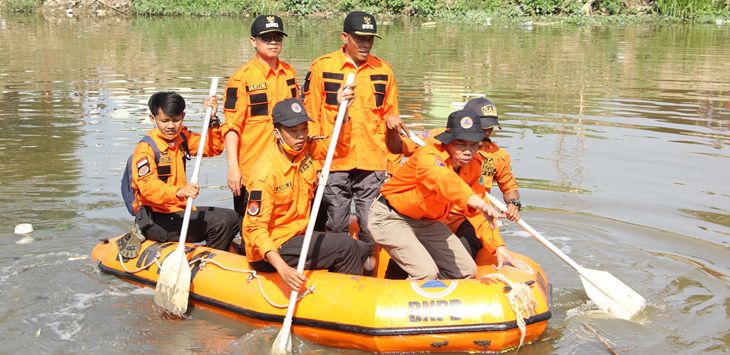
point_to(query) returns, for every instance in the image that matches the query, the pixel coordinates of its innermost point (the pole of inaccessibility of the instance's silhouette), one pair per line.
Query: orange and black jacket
(251, 94)
(376, 97)
(156, 184)
(280, 196)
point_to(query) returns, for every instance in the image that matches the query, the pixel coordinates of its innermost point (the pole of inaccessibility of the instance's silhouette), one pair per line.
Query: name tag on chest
(254, 87)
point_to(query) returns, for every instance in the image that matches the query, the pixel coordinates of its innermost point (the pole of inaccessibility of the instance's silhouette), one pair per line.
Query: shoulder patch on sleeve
(143, 167)
(254, 203)
(231, 98)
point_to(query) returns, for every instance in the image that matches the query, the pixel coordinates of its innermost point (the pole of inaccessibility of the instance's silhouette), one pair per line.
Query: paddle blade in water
(610, 294)
(282, 343)
(173, 285)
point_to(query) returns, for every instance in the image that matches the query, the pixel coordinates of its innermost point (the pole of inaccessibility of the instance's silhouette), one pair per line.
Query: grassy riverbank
(454, 10)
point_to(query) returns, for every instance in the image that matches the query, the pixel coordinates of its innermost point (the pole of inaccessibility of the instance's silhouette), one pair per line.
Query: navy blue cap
(289, 113)
(483, 109)
(461, 126)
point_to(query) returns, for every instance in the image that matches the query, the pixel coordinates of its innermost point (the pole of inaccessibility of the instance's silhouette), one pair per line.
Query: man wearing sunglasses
(359, 171)
(250, 95)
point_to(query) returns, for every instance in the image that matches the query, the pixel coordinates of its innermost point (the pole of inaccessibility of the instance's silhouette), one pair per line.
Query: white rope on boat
(252, 275)
(203, 261)
(520, 299)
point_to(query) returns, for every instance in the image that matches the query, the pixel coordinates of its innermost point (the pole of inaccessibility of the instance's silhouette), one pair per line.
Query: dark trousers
(321, 224)
(240, 201)
(214, 225)
(468, 238)
(336, 252)
(345, 187)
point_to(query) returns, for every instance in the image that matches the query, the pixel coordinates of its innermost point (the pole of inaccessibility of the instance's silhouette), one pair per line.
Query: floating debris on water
(23, 228)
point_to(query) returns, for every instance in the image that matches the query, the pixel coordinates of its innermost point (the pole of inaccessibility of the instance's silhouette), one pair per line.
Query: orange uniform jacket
(376, 97)
(427, 187)
(496, 166)
(156, 186)
(250, 95)
(491, 239)
(496, 163)
(280, 197)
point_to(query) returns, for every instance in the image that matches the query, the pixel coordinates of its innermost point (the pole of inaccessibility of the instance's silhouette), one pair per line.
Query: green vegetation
(20, 5)
(575, 10)
(204, 7)
(690, 8)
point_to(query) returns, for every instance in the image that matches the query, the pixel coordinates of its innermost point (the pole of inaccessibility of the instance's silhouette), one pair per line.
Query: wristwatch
(215, 122)
(517, 203)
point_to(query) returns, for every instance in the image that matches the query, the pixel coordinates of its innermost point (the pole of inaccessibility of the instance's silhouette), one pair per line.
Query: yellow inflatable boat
(359, 312)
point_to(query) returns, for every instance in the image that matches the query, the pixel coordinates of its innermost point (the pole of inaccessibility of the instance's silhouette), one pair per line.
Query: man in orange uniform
(496, 166)
(359, 171)
(250, 94)
(161, 189)
(280, 202)
(406, 220)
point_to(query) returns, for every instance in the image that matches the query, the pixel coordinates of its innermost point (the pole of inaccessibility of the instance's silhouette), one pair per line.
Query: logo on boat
(434, 288)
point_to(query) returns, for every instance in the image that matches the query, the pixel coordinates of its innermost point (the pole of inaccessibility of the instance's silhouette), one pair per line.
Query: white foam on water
(65, 332)
(143, 291)
(65, 322)
(120, 114)
(521, 234)
(25, 240)
(562, 239)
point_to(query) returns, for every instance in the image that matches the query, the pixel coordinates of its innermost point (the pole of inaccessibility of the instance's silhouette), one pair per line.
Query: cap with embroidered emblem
(483, 109)
(289, 112)
(267, 24)
(361, 23)
(461, 126)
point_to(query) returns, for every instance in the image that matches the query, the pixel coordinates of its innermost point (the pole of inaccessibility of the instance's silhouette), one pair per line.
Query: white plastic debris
(23, 228)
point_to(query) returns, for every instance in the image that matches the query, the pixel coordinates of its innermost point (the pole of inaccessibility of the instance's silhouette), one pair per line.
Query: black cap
(485, 110)
(360, 23)
(289, 112)
(267, 24)
(460, 125)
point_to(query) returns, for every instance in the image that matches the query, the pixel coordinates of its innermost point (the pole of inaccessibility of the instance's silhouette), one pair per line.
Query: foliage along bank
(430, 9)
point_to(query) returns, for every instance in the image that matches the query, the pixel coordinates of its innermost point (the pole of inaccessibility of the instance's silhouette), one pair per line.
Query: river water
(619, 137)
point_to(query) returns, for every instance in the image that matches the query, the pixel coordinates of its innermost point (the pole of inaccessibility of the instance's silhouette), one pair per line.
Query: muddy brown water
(618, 136)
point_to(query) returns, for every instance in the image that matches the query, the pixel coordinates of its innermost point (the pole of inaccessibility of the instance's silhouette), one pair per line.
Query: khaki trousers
(425, 249)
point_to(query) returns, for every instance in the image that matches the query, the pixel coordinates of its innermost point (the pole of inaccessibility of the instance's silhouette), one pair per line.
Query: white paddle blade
(173, 286)
(610, 294)
(282, 343)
